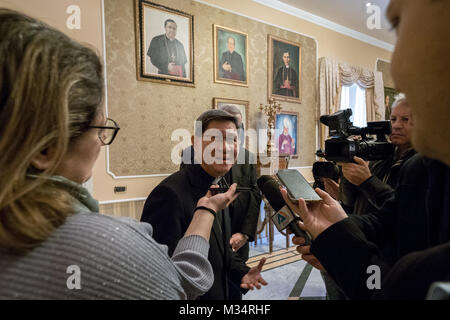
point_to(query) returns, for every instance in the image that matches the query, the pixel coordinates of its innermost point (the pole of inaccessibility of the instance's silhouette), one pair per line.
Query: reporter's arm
(346, 254)
(191, 253)
(376, 191)
(208, 206)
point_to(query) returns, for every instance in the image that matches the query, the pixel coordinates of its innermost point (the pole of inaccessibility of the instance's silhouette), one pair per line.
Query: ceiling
(350, 14)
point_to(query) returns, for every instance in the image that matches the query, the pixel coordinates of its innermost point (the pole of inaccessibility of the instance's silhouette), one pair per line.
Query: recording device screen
(296, 185)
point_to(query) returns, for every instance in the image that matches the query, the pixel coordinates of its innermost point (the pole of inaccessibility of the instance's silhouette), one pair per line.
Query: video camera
(325, 169)
(341, 149)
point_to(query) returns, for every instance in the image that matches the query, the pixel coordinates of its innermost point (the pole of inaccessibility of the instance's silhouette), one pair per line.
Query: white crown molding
(304, 15)
(258, 20)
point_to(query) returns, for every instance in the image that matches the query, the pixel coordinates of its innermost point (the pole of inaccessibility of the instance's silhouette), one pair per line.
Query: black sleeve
(412, 276)
(278, 80)
(376, 191)
(250, 221)
(238, 268)
(164, 211)
(240, 68)
(348, 193)
(154, 52)
(379, 226)
(346, 255)
(221, 62)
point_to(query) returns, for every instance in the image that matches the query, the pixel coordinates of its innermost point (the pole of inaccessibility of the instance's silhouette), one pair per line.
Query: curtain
(355, 97)
(333, 75)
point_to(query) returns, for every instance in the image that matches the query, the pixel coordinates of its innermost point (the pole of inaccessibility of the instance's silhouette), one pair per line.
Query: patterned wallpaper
(149, 112)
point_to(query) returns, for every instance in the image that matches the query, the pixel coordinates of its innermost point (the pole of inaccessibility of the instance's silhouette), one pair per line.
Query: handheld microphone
(262, 181)
(283, 216)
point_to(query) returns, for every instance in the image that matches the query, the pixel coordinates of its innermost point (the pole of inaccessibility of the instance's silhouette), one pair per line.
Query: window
(354, 97)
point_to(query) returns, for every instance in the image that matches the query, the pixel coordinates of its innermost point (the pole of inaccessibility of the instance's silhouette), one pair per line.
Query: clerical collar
(171, 40)
(287, 66)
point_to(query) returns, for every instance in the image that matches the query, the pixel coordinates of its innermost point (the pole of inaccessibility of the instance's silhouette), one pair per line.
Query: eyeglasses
(108, 132)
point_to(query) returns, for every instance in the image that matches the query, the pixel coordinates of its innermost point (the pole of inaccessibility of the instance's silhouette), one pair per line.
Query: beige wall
(150, 112)
(329, 44)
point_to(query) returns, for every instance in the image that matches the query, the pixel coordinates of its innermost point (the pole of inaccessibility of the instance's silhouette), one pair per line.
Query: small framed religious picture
(238, 108)
(164, 44)
(284, 69)
(286, 133)
(230, 56)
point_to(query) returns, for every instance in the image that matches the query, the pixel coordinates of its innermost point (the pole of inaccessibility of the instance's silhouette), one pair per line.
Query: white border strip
(304, 15)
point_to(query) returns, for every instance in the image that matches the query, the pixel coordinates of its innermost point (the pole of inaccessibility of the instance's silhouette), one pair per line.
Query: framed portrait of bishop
(284, 69)
(164, 44)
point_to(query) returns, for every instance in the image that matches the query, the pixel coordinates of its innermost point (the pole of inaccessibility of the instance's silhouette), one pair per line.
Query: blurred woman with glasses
(53, 242)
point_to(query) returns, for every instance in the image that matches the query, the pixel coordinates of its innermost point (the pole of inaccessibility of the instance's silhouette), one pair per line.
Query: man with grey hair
(169, 207)
(364, 187)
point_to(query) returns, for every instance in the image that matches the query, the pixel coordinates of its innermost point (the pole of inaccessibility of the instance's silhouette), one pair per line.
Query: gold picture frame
(289, 149)
(284, 84)
(164, 44)
(235, 71)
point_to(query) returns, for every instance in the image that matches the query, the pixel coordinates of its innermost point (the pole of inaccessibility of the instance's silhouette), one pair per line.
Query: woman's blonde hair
(51, 90)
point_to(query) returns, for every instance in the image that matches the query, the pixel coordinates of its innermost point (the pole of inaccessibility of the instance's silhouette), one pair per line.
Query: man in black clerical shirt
(286, 80)
(169, 207)
(167, 53)
(231, 66)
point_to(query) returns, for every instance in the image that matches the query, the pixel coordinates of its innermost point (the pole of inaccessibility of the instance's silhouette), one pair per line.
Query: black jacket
(169, 209)
(415, 218)
(159, 54)
(370, 195)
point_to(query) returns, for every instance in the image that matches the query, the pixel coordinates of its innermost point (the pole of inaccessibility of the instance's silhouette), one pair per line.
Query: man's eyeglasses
(108, 132)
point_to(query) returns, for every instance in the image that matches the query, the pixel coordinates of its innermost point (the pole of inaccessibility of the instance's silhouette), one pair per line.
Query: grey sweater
(93, 256)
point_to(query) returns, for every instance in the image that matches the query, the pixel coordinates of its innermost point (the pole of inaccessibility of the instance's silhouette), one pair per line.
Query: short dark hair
(167, 21)
(213, 115)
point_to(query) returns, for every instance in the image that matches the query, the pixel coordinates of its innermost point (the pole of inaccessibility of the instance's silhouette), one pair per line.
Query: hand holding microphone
(283, 216)
(317, 216)
(218, 201)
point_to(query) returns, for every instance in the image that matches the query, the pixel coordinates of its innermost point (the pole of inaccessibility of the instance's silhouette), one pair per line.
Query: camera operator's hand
(356, 173)
(332, 187)
(316, 215)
